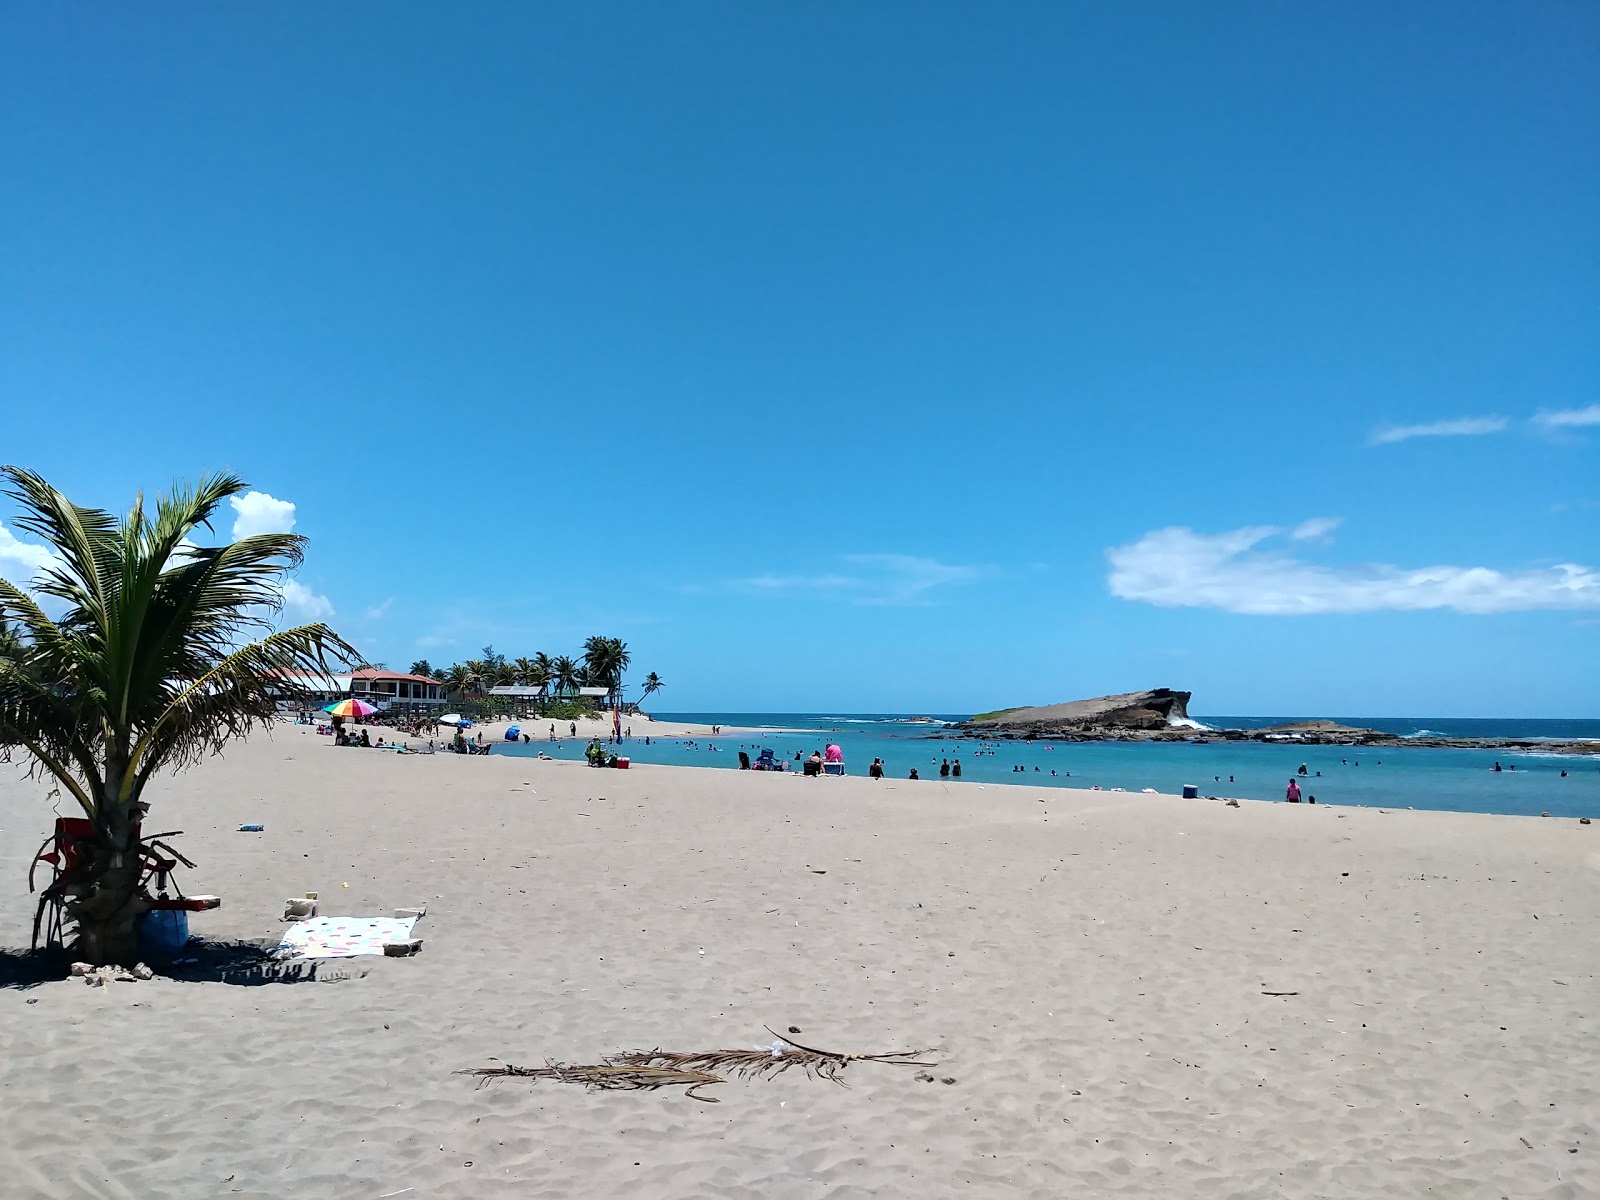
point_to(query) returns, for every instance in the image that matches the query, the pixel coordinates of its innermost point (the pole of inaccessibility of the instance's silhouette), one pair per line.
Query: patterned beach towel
(343, 937)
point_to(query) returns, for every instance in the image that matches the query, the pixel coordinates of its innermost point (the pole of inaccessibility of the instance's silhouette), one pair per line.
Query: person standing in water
(955, 769)
(944, 769)
(1292, 792)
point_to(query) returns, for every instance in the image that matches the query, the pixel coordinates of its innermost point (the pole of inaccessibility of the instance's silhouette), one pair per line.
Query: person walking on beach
(944, 769)
(1292, 792)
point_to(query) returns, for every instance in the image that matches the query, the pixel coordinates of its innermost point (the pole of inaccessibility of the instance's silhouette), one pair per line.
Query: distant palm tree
(565, 673)
(652, 685)
(422, 667)
(10, 642)
(605, 659)
(457, 679)
(149, 668)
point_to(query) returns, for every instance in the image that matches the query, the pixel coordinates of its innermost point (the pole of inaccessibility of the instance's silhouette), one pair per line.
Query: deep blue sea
(1392, 777)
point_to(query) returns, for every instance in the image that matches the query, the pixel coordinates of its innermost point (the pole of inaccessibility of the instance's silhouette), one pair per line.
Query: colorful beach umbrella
(350, 708)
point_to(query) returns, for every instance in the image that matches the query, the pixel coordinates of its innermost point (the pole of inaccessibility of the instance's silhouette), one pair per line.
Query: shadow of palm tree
(30, 968)
(241, 963)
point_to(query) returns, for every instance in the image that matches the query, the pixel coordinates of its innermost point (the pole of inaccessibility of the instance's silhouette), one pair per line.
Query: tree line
(603, 663)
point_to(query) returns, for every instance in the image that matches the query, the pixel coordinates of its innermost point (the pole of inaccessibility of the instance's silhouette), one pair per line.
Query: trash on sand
(251, 828)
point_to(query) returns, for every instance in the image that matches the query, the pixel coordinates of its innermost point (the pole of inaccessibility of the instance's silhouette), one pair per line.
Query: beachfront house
(397, 691)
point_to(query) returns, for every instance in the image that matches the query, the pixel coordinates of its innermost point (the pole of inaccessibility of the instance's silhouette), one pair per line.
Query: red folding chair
(67, 849)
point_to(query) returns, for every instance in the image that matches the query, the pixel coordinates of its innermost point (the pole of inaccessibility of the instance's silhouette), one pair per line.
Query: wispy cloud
(379, 611)
(1567, 418)
(1459, 427)
(1317, 529)
(257, 512)
(1235, 572)
(876, 579)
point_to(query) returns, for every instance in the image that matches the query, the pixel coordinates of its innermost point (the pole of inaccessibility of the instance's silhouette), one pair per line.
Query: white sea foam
(1186, 723)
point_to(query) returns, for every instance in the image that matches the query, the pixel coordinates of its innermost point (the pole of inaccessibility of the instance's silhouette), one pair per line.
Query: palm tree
(457, 679)
(565, 673)
(422, 667)
(652, 685)
(605, 659)
(147, 669)
(11, 647)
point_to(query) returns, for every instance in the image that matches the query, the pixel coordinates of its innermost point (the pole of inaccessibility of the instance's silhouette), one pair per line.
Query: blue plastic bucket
(164, 931)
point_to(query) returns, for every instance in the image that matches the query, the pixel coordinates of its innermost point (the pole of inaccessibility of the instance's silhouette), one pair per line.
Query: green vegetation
(555, 680)
(999, 712)
(148, 668)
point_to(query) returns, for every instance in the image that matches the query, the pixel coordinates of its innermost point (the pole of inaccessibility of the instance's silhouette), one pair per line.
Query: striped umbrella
(350, 708)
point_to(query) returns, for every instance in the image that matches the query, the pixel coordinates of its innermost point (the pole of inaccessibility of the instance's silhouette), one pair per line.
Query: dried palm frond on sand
(605, 1077)
(752, 1064)
(645, 1070)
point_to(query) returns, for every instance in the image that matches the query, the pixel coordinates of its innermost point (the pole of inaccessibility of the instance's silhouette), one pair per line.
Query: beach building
(527, 694)
(384, 689)
(396, 689)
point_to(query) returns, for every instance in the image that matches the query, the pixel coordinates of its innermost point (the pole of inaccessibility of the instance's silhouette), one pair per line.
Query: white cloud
(1459, 427)
(1317, 529)
(21, 562)
(1181, 568)
(303, 604)
(258, 513)
(378, 611)
(891, 579)
(1567, 418)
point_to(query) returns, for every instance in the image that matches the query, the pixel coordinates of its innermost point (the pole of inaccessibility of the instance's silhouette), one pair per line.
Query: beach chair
(765, 761)
(65, 851)
(833, 761)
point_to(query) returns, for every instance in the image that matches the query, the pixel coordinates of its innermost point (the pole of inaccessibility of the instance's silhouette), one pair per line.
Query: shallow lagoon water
(1390, 777)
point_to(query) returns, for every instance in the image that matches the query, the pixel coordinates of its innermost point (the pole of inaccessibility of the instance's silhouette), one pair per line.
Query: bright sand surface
(538, 729)
(1091, 966)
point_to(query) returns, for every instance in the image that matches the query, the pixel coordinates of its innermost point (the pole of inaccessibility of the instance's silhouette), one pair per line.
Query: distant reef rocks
(1157, 709)
(1162, 715)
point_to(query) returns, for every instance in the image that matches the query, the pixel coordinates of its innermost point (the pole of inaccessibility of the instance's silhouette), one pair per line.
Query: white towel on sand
(343, 937)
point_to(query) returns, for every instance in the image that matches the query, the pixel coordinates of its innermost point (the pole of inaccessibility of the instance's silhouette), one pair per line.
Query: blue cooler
(163, 932)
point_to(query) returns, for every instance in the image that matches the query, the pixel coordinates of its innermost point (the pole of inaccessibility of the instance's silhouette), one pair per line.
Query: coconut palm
(605, 659)
(148, 667)
(10, 642)
(457, 679)
(422, 667)
(652, 685)
(565, 673)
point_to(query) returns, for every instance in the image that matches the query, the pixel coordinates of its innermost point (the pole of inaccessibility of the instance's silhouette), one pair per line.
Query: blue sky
(872, 357)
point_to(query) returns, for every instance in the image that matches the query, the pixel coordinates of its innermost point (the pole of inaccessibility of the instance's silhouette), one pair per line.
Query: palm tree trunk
(106, 905)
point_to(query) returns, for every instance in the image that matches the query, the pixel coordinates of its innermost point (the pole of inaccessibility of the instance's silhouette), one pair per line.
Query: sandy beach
(538, 729)
(1093, 968)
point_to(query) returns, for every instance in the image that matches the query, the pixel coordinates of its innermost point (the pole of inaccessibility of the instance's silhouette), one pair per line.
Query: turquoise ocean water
(1392, 777)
